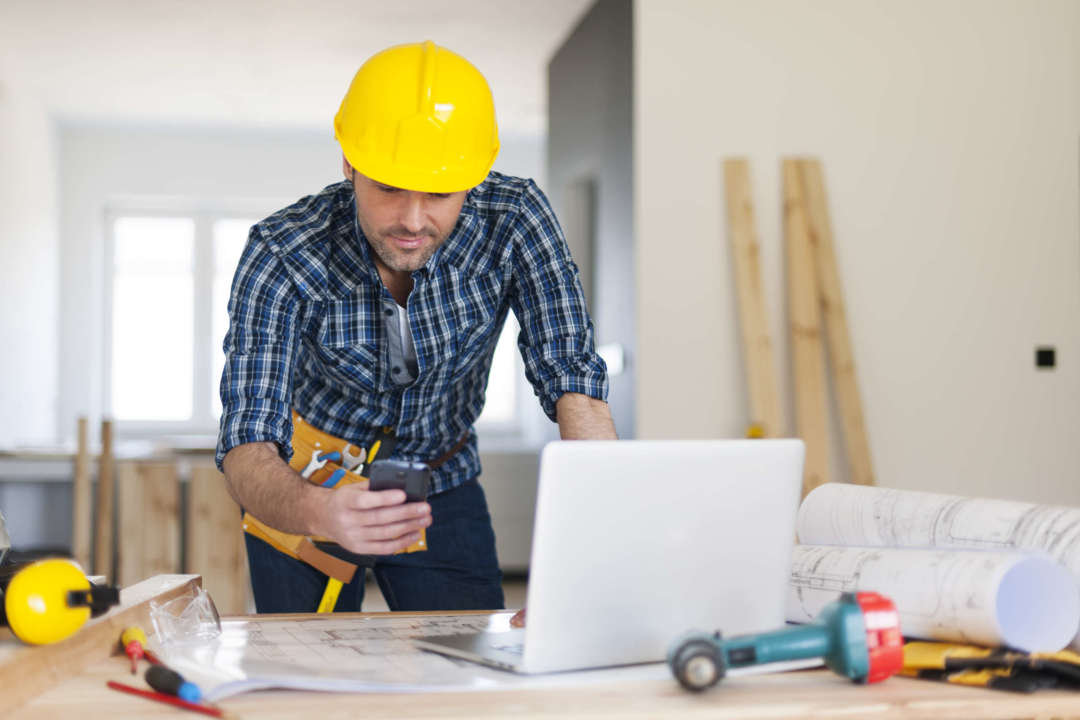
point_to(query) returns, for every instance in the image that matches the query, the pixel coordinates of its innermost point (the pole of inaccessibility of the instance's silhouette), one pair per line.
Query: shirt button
(388, 312)
(395, 370)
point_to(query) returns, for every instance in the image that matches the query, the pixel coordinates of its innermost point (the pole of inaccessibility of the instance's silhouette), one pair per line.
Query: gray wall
(590, 176)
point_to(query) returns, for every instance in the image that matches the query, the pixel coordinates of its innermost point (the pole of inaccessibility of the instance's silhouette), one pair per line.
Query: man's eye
(439, 196)
(389, 189)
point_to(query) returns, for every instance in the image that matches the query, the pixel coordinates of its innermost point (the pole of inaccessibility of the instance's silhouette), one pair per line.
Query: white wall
(29, 257)
(949, 134)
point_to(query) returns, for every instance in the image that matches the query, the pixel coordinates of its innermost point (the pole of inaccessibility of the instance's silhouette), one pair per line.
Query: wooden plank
(807, 352)
(82, 507)
(837, 334)
(148, 507)
(766, 419)
(214, 543)
(103, 522)
(27, 671)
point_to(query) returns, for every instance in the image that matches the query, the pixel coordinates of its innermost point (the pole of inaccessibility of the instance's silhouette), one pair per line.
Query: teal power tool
(858, 636)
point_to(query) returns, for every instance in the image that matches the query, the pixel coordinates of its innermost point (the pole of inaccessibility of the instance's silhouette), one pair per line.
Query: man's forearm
(264, 485)
(581, 417)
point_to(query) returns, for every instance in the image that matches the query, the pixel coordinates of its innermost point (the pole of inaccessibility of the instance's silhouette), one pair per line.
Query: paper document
(358, 654)
(1023, 601)
(856, 515)
(1017, 583)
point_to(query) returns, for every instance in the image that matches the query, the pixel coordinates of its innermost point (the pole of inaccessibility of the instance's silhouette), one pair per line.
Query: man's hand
(372, 523)
(361, 521)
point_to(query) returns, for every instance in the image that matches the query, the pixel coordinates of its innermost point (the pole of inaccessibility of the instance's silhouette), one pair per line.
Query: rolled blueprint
(1025, 601)
(840, 514)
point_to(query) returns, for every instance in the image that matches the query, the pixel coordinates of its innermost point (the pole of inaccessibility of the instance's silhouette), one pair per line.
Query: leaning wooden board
(765, 415)
(849, 401)
(804, 317)
(27, 671)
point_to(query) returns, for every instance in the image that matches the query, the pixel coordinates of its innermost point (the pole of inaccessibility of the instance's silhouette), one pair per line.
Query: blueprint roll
(856, 515)
(1024, 601)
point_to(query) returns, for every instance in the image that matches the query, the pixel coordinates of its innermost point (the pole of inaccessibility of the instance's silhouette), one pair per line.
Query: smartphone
(412, 477)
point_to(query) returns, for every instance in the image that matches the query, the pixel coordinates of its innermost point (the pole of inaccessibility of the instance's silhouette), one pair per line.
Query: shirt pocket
(348, 342)
(477, 299)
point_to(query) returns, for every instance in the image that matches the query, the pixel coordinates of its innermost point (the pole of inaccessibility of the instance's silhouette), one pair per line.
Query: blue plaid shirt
(307, 330)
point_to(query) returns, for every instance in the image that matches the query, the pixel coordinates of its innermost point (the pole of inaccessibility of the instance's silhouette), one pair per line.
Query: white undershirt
(408, 350)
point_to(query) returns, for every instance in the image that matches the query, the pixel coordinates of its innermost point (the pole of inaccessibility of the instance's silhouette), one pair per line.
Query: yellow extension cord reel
(49, 600)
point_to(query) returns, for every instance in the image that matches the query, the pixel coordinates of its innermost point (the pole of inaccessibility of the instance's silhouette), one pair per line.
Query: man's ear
(346, 168)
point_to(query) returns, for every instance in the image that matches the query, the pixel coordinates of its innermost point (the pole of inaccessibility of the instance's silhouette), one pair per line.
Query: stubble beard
(400, 260)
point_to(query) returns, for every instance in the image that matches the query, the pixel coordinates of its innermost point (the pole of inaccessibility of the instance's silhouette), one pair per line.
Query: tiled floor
(513, 590)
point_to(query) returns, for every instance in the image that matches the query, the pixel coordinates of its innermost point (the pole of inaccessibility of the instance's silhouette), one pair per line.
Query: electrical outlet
(1045, 357)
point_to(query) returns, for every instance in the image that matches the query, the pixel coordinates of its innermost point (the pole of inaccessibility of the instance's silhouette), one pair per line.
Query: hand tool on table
(133, 641)
(997, 668)
(170, 682)
(858, 636)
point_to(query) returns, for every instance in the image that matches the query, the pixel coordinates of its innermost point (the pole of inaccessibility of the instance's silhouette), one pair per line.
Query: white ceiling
(267, 63)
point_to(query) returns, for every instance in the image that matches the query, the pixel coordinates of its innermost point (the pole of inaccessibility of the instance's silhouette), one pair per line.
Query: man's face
(404, 227)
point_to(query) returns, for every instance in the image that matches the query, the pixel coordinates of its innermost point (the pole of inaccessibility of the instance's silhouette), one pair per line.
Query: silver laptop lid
(638, 541)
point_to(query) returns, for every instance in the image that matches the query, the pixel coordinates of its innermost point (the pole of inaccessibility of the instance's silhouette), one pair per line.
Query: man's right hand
(371, 522)
(362, 521)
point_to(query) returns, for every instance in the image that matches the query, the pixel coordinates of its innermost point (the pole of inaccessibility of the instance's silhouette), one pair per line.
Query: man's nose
(413, 212)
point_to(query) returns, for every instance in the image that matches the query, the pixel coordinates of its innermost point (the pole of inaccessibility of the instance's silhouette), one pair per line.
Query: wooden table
(813, 693)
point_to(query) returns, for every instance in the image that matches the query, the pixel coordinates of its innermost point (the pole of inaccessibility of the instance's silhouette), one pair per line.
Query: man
(369, 312)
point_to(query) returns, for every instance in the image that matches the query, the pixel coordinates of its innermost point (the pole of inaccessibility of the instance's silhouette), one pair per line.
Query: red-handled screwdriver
(133, 640)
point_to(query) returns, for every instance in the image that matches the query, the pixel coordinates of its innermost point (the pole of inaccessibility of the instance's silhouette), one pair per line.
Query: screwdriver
(171, 682)
(133, 640)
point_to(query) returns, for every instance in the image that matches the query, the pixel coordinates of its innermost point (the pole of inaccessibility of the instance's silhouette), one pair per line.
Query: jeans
(458, 571)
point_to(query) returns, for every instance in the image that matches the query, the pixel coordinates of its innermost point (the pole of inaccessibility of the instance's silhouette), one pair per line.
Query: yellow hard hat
(419, 117)
(36, 601)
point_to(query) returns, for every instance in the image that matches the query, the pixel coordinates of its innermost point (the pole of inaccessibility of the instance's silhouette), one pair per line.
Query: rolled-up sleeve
(260, 353)
(557, 338)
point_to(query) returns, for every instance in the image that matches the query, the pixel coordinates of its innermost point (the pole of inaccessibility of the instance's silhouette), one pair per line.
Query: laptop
(637, 542)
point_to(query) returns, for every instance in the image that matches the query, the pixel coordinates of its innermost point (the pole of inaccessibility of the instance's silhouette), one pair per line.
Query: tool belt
(350, 469)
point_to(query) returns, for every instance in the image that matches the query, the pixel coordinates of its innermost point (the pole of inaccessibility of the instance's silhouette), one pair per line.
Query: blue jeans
(458, 571)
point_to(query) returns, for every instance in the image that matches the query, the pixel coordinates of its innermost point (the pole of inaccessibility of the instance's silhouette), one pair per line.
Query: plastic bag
(187, 618)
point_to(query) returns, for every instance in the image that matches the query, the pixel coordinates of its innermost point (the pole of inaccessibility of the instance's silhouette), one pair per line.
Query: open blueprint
(970, 570)
(354, 653)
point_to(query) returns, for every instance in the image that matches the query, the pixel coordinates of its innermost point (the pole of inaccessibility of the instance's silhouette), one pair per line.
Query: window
(170, 276)
(152, 318)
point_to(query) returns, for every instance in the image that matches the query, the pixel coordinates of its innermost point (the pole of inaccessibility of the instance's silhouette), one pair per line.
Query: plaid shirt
(307, 330)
